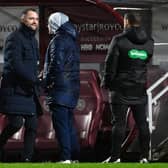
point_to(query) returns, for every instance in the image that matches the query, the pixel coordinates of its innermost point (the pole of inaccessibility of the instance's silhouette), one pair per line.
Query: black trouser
(118, 130)
(14, 124)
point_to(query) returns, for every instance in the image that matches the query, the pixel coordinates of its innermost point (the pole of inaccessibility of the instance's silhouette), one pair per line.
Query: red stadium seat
(88, 113)
(45, 133)
(3, 122)
(16, 141)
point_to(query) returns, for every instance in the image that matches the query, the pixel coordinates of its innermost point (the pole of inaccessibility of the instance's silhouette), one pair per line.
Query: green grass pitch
(83, 165)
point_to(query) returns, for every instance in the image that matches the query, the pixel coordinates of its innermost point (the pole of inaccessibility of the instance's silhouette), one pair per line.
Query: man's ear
(126, 24)
(22, 18)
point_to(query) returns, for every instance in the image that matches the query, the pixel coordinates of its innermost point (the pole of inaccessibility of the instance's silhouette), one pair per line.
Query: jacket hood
(69, 28)
(55, 21)
(136, 35)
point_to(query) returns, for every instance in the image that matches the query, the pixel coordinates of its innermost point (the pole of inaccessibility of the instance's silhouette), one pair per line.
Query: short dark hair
(27, 10)
(133, 18)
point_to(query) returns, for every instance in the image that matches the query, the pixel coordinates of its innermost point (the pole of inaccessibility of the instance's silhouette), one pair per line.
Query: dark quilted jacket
(62, 67)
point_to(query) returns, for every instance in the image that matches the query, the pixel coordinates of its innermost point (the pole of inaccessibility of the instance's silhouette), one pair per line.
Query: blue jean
(63, 123)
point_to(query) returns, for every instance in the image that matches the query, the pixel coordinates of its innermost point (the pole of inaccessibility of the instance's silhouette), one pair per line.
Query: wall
(160, 35)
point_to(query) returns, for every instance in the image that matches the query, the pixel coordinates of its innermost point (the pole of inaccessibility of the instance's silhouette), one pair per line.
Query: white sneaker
(74, 161)
(108, 160)
(117, 161)
(65, 161)
(144, 160)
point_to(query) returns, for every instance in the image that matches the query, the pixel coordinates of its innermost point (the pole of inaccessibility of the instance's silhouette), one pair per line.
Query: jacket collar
(27, 31)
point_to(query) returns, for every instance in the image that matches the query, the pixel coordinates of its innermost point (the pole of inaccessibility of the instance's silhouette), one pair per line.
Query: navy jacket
(18, 85)
(61, 71)
(126, 65)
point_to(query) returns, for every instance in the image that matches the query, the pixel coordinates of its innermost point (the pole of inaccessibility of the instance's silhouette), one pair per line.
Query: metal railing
(153, 101)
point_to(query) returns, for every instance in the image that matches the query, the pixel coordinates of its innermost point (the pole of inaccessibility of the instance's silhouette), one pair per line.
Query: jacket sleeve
(13, 52)
(150, 50)
(56, 52)
(111, 64)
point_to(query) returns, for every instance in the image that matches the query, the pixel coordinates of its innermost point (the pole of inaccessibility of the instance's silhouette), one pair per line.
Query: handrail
(157, 82)
(153, 100)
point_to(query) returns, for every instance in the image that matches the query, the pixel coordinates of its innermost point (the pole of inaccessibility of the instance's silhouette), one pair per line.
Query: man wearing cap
(62, 83)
